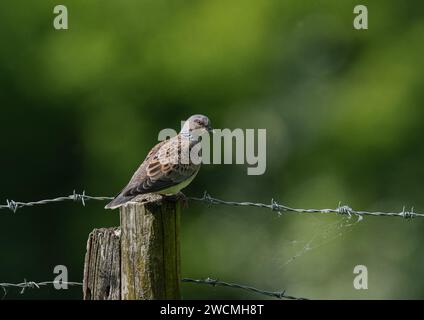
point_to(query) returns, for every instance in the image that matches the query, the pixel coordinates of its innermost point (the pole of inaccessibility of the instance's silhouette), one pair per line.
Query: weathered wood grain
(141, 259)
(102, 270)
(150, 254)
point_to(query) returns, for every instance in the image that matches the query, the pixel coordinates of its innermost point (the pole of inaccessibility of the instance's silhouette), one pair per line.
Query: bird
(164, 170)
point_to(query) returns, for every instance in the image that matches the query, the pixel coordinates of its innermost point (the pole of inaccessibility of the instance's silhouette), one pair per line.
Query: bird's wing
(139, 175)
(161, 169)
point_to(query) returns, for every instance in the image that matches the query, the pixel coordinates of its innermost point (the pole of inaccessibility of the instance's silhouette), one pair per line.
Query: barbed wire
(33, 285)
(207, 198)
(216, 282)
(210, 281)
(14, 205)
(279, 208)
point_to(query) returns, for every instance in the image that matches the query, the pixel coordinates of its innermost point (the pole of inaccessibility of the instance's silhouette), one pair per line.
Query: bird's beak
(210, 129)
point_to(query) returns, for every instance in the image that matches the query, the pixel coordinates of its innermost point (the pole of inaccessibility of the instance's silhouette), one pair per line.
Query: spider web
(323, 234)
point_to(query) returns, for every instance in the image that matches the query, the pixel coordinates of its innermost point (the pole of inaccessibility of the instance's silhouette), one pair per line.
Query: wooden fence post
(102, 266)
(149, 254)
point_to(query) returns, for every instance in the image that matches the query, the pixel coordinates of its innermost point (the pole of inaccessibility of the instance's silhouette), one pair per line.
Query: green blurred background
(343, 111)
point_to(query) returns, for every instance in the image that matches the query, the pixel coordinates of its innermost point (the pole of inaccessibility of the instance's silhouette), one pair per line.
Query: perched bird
(165, 171)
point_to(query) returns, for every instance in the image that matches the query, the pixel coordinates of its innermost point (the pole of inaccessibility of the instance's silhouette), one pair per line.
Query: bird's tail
(119, 200)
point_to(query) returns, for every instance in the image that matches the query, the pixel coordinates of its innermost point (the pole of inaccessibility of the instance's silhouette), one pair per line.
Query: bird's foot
(178, 197)
(183, 198)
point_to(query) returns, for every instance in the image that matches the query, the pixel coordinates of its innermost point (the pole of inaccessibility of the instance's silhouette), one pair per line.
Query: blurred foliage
(343, 111)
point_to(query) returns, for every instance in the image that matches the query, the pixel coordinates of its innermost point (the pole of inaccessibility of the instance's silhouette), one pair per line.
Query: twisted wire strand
(208, 199)
(77, 197)
(216, 282)
(209, 281)
(279, 208)
(33, 285)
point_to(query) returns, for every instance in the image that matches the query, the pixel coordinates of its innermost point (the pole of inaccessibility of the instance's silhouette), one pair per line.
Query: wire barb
(345, 210)
(79, 197)
(275, 207)
(12, 205)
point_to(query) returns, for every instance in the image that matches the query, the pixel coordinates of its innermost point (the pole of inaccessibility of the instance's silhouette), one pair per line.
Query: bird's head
(198, 123)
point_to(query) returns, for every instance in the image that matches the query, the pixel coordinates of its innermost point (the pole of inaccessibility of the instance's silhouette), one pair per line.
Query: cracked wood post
(102, 266)
(149, 254)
